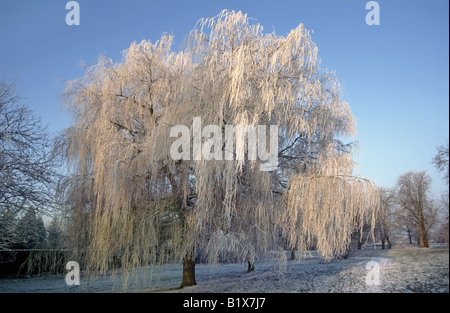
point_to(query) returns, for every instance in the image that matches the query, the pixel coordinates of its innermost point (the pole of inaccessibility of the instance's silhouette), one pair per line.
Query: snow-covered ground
(395, 270)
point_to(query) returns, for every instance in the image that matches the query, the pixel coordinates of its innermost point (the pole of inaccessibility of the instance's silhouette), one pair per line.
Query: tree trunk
(383, 246)
(251, 266)
(251, 261)
(423, 240)
(188, 270)
(410, 236)
(292, 255)
(389, 242)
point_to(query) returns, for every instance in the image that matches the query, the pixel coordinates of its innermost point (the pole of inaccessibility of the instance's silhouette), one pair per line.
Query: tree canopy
(137, 204)
(27, 166)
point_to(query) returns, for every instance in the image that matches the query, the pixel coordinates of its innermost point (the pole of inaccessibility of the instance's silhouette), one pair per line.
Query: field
(408, 270)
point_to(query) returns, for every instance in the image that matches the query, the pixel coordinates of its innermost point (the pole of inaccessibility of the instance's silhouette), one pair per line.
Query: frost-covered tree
(441, 160)
(413, 197)
(441, 234)
(139, 204)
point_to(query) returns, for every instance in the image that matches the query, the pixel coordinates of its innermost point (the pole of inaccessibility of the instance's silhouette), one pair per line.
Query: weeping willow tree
(137, 204)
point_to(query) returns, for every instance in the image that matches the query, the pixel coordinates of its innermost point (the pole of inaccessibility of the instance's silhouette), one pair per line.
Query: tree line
(27, 168)
(28, 177)
(410, 208)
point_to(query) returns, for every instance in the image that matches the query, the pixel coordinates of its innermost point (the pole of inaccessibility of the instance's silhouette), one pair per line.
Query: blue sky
(395, 75)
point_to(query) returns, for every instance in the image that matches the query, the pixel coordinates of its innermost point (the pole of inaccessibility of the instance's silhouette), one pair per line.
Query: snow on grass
(400, 271)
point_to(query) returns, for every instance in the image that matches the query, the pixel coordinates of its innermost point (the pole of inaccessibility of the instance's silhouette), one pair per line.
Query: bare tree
(441, 234)
(385, 218)
(441, 161)
(413, 196)
(142, 204)
(404, 224)
(27, 168)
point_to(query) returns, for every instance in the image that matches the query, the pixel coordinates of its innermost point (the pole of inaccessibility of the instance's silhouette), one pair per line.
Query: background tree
(413, 197)
(441, 234)
(27, 168)
(8, 236)
(139, 203)
(405, 224)
(385, 218)
(31, 232)
(441, 162)
(55, 235)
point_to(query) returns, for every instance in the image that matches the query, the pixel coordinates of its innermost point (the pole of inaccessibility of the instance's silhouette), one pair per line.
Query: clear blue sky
(395, 75)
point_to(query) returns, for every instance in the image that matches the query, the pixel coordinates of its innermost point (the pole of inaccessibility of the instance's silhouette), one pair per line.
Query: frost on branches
(132, 204)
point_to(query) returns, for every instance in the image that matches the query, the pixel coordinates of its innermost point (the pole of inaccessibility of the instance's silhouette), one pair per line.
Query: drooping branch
(229, 73)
